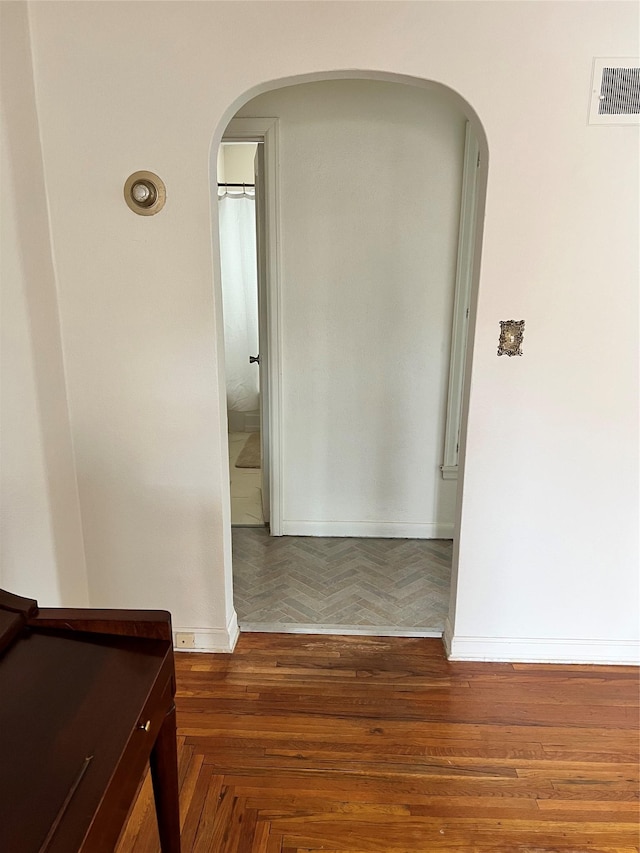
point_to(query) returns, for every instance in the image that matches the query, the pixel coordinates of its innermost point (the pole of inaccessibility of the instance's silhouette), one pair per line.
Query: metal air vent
(615, 95)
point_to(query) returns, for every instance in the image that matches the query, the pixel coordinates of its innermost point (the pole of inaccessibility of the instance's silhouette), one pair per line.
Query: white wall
(548, 549)
(370, 178)
(42, 553)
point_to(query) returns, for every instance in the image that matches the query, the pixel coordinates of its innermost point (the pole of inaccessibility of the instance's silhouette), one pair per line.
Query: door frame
(462, 303)
(265, 131)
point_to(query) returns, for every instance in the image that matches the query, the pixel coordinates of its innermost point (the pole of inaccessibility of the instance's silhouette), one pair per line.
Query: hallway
(379, 587)
(245, 485)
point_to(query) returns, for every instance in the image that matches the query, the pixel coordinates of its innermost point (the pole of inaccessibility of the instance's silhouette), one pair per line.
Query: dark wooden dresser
(86, 700)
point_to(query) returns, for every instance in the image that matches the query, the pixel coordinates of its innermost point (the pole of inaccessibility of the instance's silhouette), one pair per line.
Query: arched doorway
(319, 344)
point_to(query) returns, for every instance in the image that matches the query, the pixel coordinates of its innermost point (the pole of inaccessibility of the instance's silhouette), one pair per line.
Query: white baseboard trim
(525, 650)
(220, 640)
(447, 637)
(233, 630)
(243, 421)
(378, 529)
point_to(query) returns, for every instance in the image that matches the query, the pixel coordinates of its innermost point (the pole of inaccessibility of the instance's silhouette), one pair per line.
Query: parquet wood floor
(380, 745)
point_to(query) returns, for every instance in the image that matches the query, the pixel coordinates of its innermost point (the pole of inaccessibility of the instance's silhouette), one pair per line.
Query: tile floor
(339, 585)
(331, 585)
(246, 486)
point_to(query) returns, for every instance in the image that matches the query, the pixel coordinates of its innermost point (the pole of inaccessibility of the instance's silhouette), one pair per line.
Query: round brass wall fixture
(145, 193)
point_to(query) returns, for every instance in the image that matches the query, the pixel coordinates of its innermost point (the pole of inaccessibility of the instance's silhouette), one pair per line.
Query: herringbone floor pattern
(393, 584)
(380, 745)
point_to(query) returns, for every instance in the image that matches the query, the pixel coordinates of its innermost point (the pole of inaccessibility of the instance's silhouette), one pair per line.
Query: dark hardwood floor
(362, 744)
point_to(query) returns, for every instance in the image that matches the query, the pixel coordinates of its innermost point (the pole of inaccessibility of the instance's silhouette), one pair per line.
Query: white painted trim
(447, 637)
(379, 529)
(337, 630)
(462, 299)
(233, 630)
(530, 650)
(221, 640)
(243, 421)
(449, 472)
(266, 130)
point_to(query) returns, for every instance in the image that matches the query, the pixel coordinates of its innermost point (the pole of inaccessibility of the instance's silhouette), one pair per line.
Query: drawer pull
(145, 726)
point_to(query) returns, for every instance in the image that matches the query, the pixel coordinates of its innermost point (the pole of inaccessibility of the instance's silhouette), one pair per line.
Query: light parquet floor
(386, 585)
(380, 745)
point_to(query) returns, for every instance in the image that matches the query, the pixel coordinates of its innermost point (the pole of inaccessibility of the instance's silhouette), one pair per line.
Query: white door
(264, 131)
(261, 251)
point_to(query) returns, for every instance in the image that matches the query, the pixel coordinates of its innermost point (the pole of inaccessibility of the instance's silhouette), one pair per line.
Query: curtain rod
(235, 185)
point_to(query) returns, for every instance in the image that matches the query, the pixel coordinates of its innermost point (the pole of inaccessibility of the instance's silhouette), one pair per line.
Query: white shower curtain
(240, 298)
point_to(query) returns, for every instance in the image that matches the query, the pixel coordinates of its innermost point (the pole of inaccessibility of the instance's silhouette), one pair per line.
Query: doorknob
(254, 359)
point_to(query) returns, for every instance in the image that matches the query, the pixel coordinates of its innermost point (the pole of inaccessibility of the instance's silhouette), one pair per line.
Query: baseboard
(243, 421)
(378, 529)
(447, 637)
(524, 650)
(220, 640)
(233, 631)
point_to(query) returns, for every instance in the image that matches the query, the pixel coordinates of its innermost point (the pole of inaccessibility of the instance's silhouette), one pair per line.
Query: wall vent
(615, 94)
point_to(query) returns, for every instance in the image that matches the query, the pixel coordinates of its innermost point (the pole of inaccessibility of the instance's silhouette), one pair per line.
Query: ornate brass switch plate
(511, 335)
